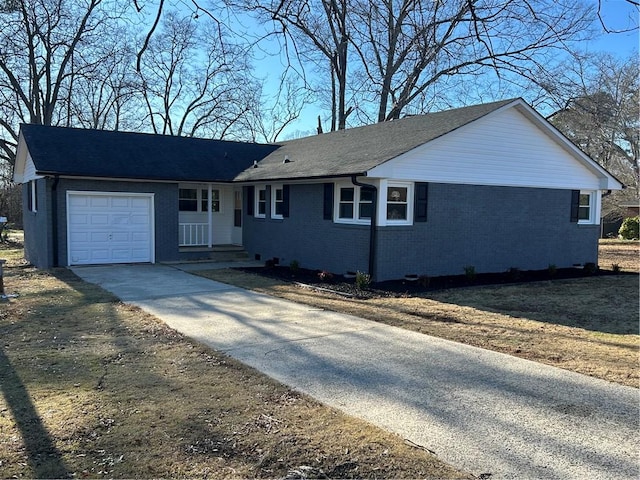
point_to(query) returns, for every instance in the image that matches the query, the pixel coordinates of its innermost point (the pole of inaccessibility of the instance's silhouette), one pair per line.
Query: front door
(236, 234)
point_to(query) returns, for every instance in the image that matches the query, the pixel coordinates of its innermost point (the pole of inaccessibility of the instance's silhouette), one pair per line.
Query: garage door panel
(109, 228)
(119, 219)
(78, 219)
(120, 202)
(95, 237)
(140, 203)
(78, 201)
(97, 201)
(142, 220)
(98, 219)
(121, 237)
(139, 237)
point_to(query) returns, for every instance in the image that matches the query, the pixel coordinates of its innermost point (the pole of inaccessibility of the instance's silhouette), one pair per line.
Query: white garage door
(109, 228)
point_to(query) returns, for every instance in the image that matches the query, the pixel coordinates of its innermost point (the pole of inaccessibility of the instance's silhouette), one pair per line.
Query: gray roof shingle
(356, 150)
(103, 153)
(108, 154)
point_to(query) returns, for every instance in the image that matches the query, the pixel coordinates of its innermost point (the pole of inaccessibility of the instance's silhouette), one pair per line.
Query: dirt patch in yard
(93, 388)
(588, 324)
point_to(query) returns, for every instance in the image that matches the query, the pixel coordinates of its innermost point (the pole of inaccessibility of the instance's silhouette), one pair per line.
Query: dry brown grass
(95, 388)
(587, 325)
(623, 253)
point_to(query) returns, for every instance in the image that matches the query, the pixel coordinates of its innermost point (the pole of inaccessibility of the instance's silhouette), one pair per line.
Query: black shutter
(421, 201)
(250, 199)
(328, 201)
(575, 205)
(30, 195)
(285, 201)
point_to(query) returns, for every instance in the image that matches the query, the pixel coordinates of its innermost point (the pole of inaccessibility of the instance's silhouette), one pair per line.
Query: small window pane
(584, 199)
(262, 202)
(366, 195)
(366, 210)
(188, 200)
(204, 204)
(396, 212)
(346, 210)
(346, 194)
(397, 194)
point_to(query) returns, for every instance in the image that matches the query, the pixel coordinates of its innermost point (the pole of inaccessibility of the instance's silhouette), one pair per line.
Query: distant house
(494, 186)
(631, 209)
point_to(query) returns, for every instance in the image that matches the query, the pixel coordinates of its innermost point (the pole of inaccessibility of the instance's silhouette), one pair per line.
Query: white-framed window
(587, 208)
(197, 200)
(277, 201)
(261, 201)
(354, 204)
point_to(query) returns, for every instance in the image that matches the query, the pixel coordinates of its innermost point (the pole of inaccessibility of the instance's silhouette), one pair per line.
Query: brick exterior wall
(38, 227)
(304, 236)
(490, 228)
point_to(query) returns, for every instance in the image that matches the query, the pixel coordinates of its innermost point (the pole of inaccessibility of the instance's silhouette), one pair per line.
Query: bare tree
(277, 111)
(601, 114)
(409, 46)
(317, 31)
(38, 41)
(195, 81)
(105, 95)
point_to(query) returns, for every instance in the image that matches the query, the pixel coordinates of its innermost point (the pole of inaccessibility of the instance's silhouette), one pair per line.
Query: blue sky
(618, 15)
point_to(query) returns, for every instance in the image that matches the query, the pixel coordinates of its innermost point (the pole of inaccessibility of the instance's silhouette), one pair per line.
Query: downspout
(372, 228)
(604, 194)
(54, 217)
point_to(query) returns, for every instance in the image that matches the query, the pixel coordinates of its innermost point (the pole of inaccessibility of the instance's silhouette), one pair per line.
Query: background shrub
(630, 228)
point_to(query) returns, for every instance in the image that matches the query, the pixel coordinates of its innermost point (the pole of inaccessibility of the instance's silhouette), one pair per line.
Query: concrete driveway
(480, 411)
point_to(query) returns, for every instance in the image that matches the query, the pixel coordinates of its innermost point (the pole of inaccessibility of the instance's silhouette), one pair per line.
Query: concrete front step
(219, 253)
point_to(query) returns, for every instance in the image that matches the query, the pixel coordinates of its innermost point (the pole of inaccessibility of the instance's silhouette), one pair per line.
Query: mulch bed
(347, 287)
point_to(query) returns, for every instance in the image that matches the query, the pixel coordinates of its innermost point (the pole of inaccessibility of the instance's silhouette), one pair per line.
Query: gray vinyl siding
(39, 244)
(490, 228)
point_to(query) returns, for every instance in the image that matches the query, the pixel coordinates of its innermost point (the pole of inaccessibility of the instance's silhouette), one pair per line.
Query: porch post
(210, 214)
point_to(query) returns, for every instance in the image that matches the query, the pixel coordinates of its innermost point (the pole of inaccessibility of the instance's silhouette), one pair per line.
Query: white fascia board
(21, 160)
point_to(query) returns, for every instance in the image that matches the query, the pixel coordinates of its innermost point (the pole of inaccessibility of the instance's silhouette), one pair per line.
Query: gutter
(54, 218)
(372, 229)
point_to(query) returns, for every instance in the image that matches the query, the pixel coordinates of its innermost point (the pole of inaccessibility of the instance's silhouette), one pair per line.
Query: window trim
(201, 200)
(410, 186)
(592, 206)
(274, 201)
(257, 201)
(356, 205)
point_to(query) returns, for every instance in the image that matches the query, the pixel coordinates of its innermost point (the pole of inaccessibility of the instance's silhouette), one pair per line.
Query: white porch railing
(193, 234)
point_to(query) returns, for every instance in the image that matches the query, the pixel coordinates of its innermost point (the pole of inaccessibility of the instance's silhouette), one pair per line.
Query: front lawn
(588, 325)
(93, 388)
